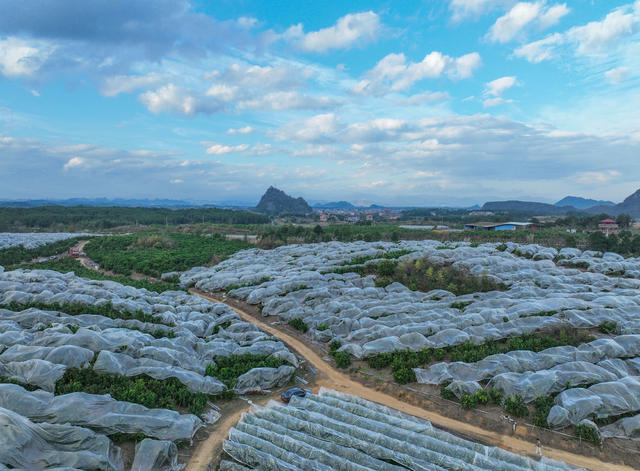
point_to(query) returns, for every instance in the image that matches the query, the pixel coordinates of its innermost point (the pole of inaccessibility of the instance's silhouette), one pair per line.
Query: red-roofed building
(608, 226)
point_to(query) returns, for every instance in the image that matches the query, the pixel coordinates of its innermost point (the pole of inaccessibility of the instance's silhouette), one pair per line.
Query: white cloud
(243, 130)
(423, 98)
(309, 129)
(617, 75)
(171, 98)
(463, 66)
(497, 101)
(75, 162)
(214, 148)
(223, 92)
(176, 181)
(350, 30)
(553, 15)
(498, 86)
(246, 22)
(594, 178)
(540, 50)
(463, 9)
(21, 58)
(524, 14)
(598, 35)
(494, 90)
(117, 84)
(394, 73)
(507, 26)
(594, 38)
(277, 101)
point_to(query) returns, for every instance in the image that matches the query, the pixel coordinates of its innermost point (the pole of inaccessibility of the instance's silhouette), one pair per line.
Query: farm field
(163, 359)
(554, 344)
(155, 253)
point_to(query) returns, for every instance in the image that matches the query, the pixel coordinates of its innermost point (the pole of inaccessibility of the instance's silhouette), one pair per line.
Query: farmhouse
(497, 226)
(608, 226)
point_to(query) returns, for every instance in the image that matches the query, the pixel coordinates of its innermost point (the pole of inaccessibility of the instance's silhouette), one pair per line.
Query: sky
(420, 103)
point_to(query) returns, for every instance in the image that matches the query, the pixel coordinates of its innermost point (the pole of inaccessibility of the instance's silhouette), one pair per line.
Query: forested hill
(56, 218)
(527, 207)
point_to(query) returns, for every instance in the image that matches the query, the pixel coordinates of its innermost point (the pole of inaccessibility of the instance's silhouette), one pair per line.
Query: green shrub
(501, 247)
(228, 368)
(380, 361)
(404, 375)
(445, 393)
(589, 434)
(343, 359)
(298, 324)
(515, 406)
(495, 396)
(386, 267)
(608, 327)
(322, 327)
(482, 397)
(543, 405)
(468, 401)
(334, 345)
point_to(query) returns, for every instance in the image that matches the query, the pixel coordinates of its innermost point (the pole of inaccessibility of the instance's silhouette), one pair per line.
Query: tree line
(93, 218)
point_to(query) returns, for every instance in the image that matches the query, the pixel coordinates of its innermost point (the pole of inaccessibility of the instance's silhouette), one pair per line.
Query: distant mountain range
(527, 207)
(582, 203)
(120, 202)
(631, 206)
(334, 205)
(276, 201)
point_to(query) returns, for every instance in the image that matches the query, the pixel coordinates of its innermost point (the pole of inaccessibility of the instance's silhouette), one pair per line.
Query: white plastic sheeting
(335, 431)
(32, 240)
(100, 413)
(541, 294)
(26, 445)
(41, 345)
(37, 347)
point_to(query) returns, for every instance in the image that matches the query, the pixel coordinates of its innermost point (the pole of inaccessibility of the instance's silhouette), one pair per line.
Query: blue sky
(418, 102)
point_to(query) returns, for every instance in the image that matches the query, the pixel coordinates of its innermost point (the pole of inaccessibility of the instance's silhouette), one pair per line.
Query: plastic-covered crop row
(167, 335)
(334, 431)
(179, 337)
(298, 281)
(31, 240)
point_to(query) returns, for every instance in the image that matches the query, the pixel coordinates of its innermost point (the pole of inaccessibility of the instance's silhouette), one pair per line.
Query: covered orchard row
(314, 283)
(31, 240)
(335, 431)
(61, 336)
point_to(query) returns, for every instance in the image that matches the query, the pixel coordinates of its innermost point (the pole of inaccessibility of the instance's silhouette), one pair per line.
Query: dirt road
(334, 379)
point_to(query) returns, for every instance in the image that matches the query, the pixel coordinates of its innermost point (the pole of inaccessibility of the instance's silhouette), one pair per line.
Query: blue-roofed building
(497, 226)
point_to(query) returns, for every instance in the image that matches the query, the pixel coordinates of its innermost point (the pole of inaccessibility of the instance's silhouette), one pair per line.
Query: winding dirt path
(331, 378)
